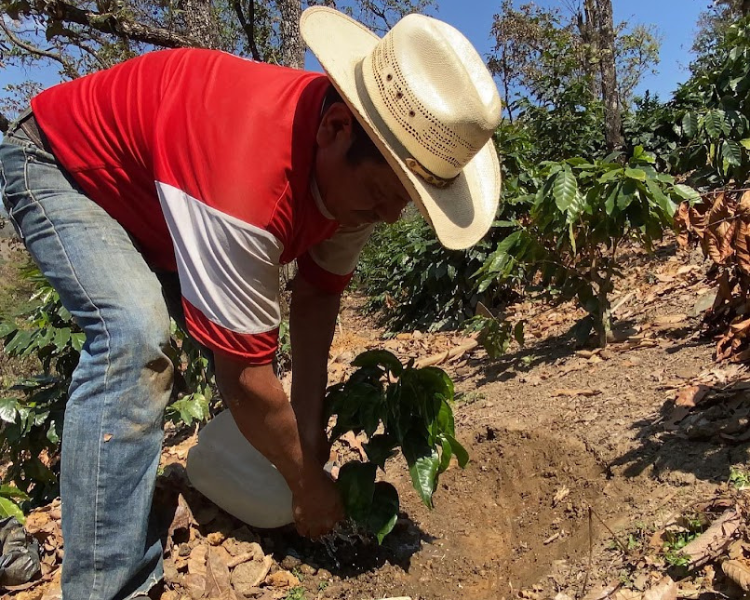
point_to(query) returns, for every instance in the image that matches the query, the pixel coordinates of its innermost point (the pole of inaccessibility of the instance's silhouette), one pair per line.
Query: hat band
(419, 169)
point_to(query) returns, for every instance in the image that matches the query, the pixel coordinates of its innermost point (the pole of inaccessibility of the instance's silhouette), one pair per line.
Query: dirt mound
(498, 526)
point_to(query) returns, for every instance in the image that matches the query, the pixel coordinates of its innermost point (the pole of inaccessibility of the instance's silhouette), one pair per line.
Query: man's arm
(312, 324)
(264, 416)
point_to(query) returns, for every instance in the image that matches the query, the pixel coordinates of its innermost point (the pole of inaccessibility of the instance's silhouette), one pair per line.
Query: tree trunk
(588, 26)
(201, 23)
(292, 46)
(612, 116)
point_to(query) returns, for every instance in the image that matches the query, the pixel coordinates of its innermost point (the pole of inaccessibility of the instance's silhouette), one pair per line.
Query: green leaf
(380, 448)
(518, 333)
(357, 484)
(637, 174)
(445, 422)
(460, 452)
(445, 455)
(423, 464)
(610, 175)
(383, 358)
(8, 409)
(8, 508)
(714, 121)
(690, 124)
(745, 143)
(565, 189)
(661, 200)
(731, 152)
(628, 192)
(12, 492)
(686, 192)
(384, 512)
(609, 205)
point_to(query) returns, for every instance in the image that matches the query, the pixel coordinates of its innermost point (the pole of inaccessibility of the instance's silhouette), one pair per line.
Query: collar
(315, 191)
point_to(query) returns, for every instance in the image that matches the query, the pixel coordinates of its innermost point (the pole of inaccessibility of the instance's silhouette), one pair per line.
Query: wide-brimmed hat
(427, 100)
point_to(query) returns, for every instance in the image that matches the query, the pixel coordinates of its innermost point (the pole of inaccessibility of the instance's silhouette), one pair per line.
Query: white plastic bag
(225, 468)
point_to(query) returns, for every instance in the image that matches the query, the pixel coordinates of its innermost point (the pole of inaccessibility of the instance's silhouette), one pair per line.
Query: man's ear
(337, 121)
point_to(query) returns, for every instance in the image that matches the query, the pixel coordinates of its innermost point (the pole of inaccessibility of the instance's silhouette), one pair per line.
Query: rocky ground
(593, 474)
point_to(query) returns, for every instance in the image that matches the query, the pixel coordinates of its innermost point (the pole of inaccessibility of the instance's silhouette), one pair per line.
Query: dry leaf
(666, 589)
(355, 444)
(689, 397)
(626, 594)
(714, 541)
(217, 574)
(195, 580)
(737, 572)
(560, 495)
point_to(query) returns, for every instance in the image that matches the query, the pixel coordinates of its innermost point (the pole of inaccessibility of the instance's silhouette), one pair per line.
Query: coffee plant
(398, 408)
(577, 221)
(713, 122)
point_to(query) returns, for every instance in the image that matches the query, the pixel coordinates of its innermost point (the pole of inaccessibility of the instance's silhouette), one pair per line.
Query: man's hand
(317, 506)
(264, 416)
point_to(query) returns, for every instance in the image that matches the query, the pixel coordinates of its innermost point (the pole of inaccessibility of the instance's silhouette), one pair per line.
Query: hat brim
(460, 213)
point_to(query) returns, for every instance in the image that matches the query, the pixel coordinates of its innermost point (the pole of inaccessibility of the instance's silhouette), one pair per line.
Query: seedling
(739, 477)
(401, 408)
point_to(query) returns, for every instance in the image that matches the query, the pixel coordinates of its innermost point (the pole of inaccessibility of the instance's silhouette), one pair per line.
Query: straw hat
(427, 100)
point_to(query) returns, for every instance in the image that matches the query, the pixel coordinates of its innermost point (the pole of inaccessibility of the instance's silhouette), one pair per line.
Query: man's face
(355, 194)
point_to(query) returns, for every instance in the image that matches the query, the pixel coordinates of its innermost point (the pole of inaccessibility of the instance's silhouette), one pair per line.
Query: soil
(580, 458)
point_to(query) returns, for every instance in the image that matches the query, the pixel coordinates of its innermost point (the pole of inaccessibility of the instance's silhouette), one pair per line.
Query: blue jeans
(113, 421)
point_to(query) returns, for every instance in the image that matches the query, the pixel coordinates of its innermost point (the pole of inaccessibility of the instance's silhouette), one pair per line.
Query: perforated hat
(426, 98)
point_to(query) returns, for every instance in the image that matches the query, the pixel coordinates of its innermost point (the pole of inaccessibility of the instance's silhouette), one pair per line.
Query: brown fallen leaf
(573, 392)
(690, 396)
(195, 580)
(714, 541)
(666, 589)
(354, 443)
(217, 574)
(737, 572)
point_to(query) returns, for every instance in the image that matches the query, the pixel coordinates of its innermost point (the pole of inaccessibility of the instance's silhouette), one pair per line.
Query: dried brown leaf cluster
(720, 225)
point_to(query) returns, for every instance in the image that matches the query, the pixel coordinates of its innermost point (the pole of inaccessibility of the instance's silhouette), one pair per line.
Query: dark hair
(362, 148)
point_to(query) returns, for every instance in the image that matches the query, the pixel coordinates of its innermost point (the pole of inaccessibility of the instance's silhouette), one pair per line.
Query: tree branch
(248, 28)
(114, 25)
(68, 67)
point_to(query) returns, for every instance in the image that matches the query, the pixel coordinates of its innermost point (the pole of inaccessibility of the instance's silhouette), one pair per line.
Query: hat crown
(433, 91)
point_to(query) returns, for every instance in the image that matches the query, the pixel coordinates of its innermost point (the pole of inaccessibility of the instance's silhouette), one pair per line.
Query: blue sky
(674, 19)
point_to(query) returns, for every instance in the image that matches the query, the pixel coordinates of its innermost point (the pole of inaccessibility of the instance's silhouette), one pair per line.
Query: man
(219, 169)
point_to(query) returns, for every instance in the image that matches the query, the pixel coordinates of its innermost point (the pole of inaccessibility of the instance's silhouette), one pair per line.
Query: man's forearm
(264, 416)
(312, 324)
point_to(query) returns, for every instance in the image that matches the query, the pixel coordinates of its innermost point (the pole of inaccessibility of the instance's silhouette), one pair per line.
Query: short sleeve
(229, 274)
(330, 264)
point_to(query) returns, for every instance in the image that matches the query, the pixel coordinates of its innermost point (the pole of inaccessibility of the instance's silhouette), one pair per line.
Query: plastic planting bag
(19, 554)
(225, 468)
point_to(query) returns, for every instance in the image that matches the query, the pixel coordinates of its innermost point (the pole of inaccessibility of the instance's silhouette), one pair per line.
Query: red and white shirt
(206, 159)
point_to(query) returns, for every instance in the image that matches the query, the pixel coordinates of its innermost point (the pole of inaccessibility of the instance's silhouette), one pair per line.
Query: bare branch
(248, 28)
(116, 25)
(68, 66)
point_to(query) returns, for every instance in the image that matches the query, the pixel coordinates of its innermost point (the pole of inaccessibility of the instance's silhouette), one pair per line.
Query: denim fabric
(113, 421)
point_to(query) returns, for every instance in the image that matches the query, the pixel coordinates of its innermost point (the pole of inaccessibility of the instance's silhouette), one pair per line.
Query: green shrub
(32, 409)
